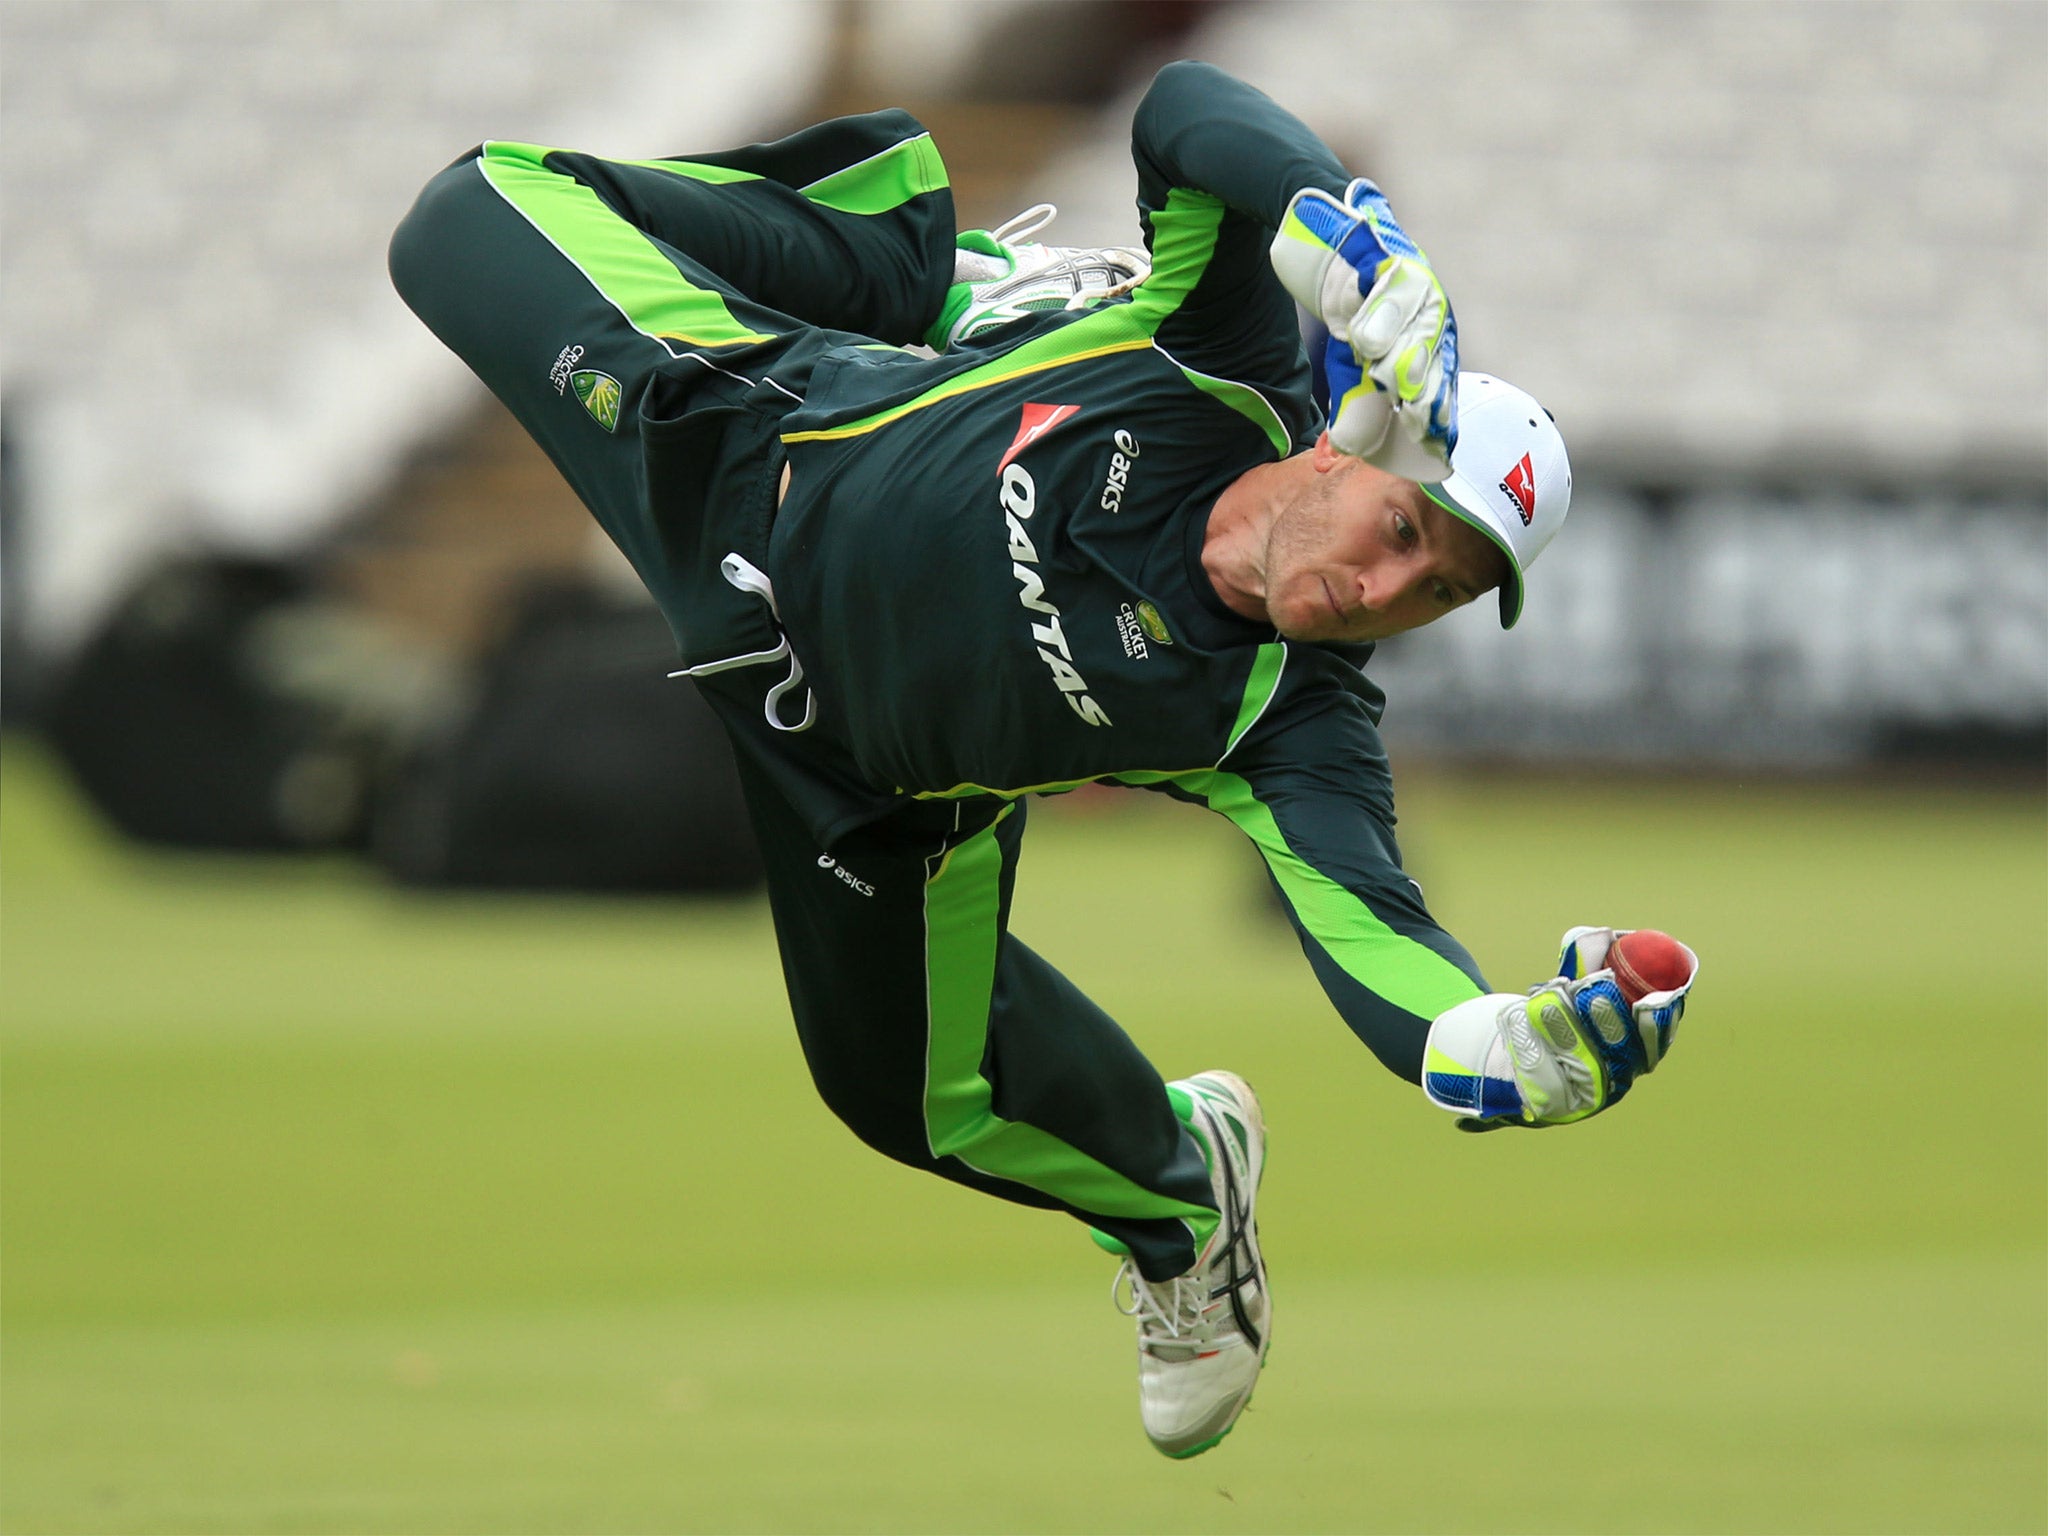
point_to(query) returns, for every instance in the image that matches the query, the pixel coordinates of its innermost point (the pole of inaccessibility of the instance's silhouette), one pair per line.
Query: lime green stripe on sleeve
(883, 181)
(963, 936)
(1241, 398)
(1183, 240)
(1259, 689)
(620, 261)
(1407, 974)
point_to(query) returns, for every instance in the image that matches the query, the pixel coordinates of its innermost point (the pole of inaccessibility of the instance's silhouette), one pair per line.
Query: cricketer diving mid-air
(942, 520)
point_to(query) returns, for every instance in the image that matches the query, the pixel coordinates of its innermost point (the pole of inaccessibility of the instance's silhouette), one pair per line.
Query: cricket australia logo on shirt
(1127, 631)
(1135, 625)
(1020, 500)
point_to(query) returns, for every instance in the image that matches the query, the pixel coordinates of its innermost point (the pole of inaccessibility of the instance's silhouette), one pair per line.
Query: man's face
(1362, 555)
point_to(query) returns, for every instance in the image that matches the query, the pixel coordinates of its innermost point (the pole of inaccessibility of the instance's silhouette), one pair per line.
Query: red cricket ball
(1645, 961)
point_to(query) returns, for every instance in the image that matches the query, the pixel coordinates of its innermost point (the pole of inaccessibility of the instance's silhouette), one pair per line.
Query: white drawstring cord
(750, 578)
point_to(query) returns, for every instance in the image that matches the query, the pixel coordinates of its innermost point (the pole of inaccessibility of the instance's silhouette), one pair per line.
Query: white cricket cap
(1509, 476)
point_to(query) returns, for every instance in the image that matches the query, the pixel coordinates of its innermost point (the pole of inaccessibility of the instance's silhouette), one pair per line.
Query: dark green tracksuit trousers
(649, 323)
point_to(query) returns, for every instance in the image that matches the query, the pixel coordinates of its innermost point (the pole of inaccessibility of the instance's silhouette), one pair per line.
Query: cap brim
(1444, 494)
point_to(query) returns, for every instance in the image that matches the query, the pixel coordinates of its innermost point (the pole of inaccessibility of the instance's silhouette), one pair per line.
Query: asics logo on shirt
(1020, 500)
(1119, 470)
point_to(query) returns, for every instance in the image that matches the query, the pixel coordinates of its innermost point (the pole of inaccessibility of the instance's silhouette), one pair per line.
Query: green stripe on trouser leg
(620, 260)
(884, 181)
(962, 936)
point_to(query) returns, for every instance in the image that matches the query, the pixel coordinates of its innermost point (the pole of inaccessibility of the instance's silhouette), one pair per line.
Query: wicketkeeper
(943, 520)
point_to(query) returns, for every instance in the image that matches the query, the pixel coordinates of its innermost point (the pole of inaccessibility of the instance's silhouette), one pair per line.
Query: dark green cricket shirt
(989, 561)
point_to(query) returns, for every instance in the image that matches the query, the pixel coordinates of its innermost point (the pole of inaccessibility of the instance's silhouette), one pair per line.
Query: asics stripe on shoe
(1203, 1335)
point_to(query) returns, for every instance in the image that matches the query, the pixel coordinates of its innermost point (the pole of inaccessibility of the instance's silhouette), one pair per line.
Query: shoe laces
(1182, 1318)
(1020, 227)
(1175, 1317)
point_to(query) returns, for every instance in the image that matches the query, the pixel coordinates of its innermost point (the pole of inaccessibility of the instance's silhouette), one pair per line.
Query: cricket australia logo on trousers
(599, 393)
(565, 360)
(1020, 500)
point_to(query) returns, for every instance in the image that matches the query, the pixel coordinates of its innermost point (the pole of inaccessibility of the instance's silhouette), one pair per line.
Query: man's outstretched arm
(1386, 964)
(1314, 796)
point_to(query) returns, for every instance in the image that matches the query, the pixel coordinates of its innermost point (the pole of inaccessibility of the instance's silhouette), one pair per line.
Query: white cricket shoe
(999, 277)
(1203, 1335)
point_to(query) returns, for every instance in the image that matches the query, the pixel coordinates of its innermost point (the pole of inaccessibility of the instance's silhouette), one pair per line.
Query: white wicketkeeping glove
(1392, 360)
(1565, 1052)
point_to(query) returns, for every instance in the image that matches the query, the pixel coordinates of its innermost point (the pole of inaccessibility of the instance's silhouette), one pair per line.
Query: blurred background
(340, 1194)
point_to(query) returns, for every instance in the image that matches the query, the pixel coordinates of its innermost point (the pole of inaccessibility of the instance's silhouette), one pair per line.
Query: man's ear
(1323, 456)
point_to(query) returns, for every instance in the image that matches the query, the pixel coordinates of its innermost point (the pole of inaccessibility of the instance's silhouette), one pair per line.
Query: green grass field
(328, 1207)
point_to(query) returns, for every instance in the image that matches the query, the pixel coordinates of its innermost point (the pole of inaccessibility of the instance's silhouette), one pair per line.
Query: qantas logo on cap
(1038, 421)
(1520, 486)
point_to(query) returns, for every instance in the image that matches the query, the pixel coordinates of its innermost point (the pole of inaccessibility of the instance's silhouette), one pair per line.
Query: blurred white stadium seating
(1791, 244)
(199, 341)
(1793, 238)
